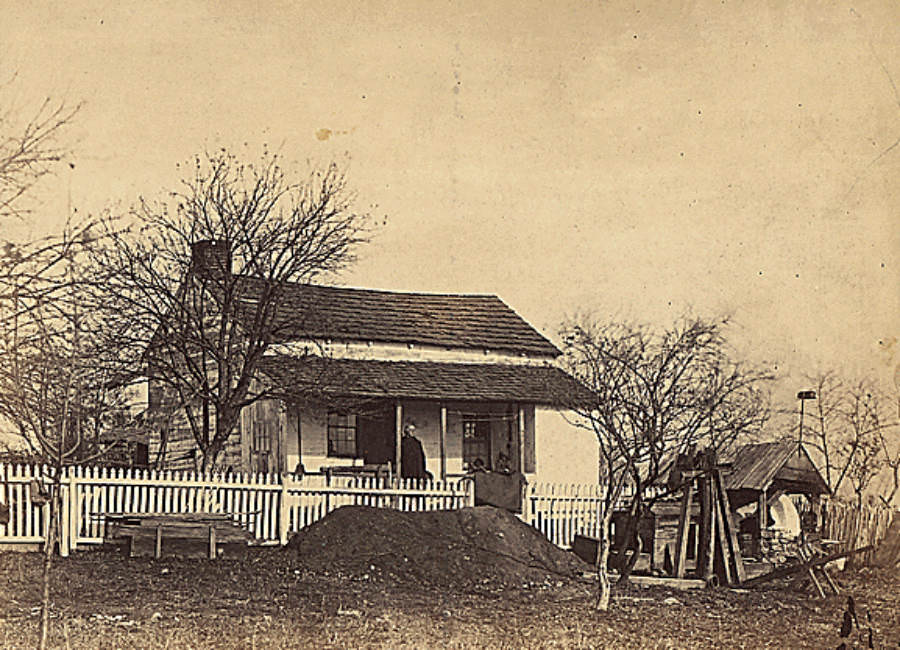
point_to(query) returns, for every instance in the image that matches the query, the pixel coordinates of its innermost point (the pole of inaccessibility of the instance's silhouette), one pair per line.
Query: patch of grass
(269, 599)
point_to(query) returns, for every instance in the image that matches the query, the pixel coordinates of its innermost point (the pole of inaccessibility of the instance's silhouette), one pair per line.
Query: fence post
(74, 510)
(284, 511)
(63, 517)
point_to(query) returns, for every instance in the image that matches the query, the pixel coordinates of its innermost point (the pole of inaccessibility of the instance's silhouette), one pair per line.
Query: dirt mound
(462, 549)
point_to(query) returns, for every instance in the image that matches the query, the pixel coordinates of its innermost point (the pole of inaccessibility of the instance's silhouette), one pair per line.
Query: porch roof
(544, 385)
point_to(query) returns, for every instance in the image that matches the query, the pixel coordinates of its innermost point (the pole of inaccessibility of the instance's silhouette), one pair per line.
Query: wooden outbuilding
(760, 474)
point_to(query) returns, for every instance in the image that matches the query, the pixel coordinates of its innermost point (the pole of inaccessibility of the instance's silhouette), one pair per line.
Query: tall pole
(803, 395)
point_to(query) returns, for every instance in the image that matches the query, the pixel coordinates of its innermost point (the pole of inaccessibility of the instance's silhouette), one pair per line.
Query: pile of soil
(467, 549)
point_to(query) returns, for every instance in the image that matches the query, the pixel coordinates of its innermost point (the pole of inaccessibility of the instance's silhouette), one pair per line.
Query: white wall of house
(565, 453)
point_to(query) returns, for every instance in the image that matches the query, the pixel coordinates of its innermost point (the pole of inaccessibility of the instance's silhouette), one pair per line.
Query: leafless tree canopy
(854, 428)
(52, 392)
(199, 320)
(29, 149)
(657, 394)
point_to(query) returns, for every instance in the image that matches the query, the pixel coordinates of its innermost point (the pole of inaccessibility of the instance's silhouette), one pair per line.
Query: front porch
(352, 412)
(456, 437)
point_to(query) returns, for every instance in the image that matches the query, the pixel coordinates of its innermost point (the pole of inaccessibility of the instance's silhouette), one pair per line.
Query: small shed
(761, 473)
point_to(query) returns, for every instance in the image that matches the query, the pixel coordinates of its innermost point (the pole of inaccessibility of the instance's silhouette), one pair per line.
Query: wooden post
(212, 542)
(74, 522)
(703, 531)
(284, 511)
(762, 511)
(62, 519)
(398, 437)
(157, 550)
(709, 541)
(520, 418)
(684, 521)
(443, 442)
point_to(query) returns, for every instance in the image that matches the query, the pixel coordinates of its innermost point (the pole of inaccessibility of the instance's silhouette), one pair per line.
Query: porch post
(443, 442)
(761, 510)
(520, 421)
(398, 435)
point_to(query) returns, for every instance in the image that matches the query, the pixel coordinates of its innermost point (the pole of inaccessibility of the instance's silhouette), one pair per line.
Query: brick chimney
(211, 258)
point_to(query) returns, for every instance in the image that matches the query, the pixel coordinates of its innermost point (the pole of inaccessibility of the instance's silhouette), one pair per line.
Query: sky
(634, 160)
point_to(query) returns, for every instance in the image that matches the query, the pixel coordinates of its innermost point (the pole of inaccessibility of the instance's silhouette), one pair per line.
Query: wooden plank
(675, 583)
(684, 519)
(192, 531)
(799, 568)
(709, 540)
(731, 531)
(721, 548)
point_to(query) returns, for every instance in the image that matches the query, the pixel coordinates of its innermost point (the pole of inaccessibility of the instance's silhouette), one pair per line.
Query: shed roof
(756, 466)
(544, 385)
(448, 320)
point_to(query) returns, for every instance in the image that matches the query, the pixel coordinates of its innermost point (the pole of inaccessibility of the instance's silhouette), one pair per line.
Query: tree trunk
(631, 539)
(601, 561)
(226, 421)
(48, 561)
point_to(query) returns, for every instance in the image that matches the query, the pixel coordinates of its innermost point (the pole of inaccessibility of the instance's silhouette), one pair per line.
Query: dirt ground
(392, 580)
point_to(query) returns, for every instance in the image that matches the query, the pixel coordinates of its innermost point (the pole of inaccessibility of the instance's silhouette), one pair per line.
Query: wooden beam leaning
(721, 539)
(684, 520)
(706, 557)
(803, 566)
(731, 531)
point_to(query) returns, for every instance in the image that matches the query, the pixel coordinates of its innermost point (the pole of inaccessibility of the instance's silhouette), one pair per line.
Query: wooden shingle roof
(756, 466)
(543, 385)
(447, 320)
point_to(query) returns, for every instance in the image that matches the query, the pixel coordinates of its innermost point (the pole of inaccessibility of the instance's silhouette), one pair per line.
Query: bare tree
(57, 400)
(851, 431)
(196, 287)
(29, 149)
(658, 394)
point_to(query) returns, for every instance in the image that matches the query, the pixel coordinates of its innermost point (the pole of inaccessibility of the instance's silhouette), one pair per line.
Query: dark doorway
(375, 431)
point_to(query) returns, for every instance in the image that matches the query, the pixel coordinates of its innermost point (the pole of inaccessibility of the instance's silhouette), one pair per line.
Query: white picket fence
(270, 506)
(562, 511)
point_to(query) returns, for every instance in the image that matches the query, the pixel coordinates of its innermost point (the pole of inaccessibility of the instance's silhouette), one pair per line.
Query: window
(476, 443)
(342, 435)
(262, 439)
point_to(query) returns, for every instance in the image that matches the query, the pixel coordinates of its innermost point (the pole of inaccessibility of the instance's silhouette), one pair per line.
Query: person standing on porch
(412, 456)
